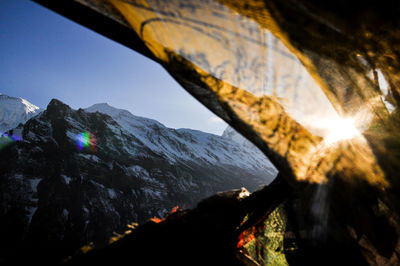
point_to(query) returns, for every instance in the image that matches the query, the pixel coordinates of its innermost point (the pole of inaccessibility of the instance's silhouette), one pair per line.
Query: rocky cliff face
(77, 176)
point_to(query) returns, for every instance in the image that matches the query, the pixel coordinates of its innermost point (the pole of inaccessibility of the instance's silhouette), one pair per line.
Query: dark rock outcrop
(77, 177)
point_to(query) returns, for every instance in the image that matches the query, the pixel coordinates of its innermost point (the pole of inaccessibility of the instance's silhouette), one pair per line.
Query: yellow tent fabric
(253, 78)
(312, 83)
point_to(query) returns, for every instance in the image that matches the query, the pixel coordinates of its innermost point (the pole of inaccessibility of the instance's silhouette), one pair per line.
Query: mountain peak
(56, 102)
(14, 111)
(121, 115)
(57, 107)
(107, 109)
(232, 134)
(98, 105)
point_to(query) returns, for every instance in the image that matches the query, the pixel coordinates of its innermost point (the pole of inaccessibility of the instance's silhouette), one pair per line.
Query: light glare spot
(86, 140)
(340, 129)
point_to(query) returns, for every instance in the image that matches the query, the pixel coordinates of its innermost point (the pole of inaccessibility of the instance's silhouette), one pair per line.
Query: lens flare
(340, 129)
(8, 139)
(86, 140)
(335, 128)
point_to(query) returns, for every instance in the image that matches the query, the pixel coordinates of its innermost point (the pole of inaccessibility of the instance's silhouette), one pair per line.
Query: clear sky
(44, 55)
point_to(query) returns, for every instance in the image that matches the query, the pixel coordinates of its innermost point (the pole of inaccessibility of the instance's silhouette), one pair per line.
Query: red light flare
(246, 236)
(174, 209)
(158, 220)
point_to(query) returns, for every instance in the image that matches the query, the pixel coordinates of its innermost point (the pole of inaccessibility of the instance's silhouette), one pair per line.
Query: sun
(338, 129)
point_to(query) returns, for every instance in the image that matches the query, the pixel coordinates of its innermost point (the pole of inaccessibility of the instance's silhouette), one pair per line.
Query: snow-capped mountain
(14, 111)
(187, 144)
(245, 144)
(230, 133)
(77, 176)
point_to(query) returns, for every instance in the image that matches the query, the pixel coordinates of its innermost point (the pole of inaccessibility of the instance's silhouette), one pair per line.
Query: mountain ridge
(15, 110)
(138, 125)
(84, 175)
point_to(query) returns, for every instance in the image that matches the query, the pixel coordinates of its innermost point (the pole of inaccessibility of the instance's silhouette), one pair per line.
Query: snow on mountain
(88, 173)
(231, 134)
(14, 111)
(189, 144)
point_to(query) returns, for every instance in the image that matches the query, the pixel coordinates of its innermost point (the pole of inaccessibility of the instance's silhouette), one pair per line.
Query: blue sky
(44, 55)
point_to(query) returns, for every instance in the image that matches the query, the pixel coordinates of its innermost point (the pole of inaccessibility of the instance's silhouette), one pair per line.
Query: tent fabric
(281, 73)
(254, 78)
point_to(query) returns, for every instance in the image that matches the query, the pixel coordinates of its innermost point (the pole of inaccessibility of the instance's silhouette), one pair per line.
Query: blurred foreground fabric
(314, 84)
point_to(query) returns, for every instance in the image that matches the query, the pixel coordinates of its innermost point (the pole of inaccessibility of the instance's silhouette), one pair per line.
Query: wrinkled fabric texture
(274, 70)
